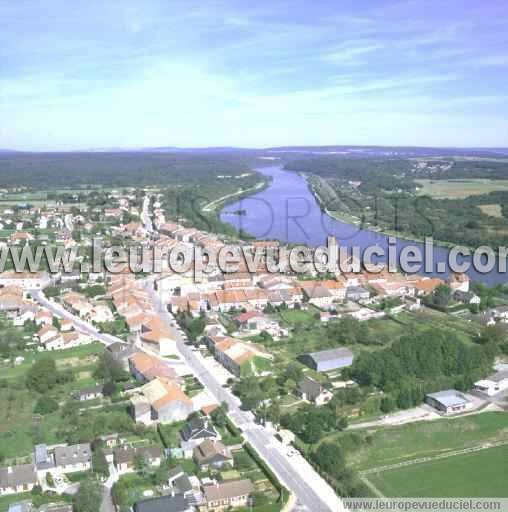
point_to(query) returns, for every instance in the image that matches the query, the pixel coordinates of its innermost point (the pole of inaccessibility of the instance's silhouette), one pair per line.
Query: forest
(383, 193)
(59, 170)
(421, 363)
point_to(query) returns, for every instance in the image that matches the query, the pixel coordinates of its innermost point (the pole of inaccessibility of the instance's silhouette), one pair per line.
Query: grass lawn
(170, 434)
(475, 475)
(390, 445)
(292, 317)
(457, 189)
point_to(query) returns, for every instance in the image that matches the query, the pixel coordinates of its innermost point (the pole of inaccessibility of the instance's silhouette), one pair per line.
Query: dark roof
(77, 453)
(163, 504)
(309, 386)
(198, 427)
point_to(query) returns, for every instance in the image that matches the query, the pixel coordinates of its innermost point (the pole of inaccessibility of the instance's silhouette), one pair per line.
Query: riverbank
(352, 219)
(222, 201)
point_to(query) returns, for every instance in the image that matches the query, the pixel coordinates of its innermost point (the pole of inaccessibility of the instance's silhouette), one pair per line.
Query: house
(311, 390)
(145, 368)
(449, 401)
(356, 293)
(25, 280)
(212, 454)
(91, 393)
(56, 507)
(317, 294)
(43, 317)
(168, 503)
(501, 313)
(466, 297)
(493, 384)
(74, 458)
(44, 461)
(100, 313)
(17, 479)
(327, 360)
(125, 457)
(230, 494)
(179, 482)
(253, 321)
(195, 431)
(458, 281)
(166, 399)
(240, 358)
(21, 506)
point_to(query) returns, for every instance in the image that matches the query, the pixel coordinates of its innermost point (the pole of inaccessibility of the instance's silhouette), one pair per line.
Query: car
(291, 453)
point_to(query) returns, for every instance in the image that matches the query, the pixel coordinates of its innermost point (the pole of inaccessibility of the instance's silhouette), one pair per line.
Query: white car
(292, 452)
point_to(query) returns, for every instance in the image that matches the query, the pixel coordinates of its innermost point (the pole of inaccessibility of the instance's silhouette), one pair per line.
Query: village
(282, 344)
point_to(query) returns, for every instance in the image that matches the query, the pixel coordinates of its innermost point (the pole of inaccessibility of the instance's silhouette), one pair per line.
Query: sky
(258, 73)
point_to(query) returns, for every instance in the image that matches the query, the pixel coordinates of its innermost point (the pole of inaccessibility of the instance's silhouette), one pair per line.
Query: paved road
(312, 492)
(81, 325)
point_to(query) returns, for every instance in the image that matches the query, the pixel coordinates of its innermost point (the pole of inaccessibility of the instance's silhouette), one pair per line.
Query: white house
(493, 384)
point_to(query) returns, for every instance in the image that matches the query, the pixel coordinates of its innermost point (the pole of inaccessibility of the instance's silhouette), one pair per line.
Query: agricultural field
(494, 210)
(475, 475)
(459, 189)
(392, 445)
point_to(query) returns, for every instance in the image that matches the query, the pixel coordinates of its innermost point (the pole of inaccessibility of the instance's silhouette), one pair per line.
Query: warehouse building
(327, 360)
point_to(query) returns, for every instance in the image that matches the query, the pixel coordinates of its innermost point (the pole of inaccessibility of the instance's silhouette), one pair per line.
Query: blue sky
(124, 73)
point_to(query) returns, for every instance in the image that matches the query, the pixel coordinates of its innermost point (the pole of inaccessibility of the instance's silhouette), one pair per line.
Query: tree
(42, 375)
(442, 295)
(89, 497)
(142, 466)
(110, 369)
(45, 405)
(294, 372)
(109, 388)
(99, 462)
(330, 458)
(388, 404)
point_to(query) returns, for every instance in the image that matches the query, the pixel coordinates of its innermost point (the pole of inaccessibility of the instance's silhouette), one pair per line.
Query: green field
(458, 189)
(475, 475)
(391, 445)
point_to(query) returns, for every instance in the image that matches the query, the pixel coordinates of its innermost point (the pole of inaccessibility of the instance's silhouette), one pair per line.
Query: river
(287, 211)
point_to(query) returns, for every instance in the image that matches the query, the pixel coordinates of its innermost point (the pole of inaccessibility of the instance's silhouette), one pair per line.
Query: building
(21, 506)
(449, 401)
(195, 431)
(493, 384)
(356, 293)
(317, 294)
(166, 401)
(74, 458)
(230, 494)
(91, 393)
(125, 457)
(238, 357)
(168, 503)
(212, 454)
(466, 297)
(459, 281)
(327, 360)
(17, 479)
(314, 392)
(25, 280)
